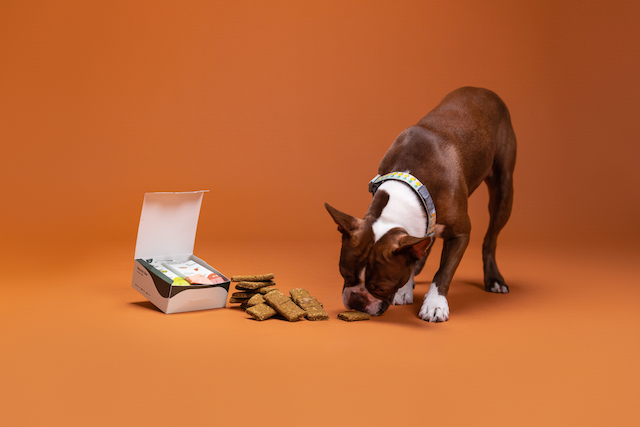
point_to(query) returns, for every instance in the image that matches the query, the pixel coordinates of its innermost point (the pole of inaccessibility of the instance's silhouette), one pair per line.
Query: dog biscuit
(255, 278)
(285, 306)
(255, 300)
(242, 295)
(266, 290)
(261, 311)
(309, 304)
(250, 286)
(352, 316)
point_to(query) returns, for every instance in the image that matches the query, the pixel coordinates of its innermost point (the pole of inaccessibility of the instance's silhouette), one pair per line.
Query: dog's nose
(358, 302)
(362, 303)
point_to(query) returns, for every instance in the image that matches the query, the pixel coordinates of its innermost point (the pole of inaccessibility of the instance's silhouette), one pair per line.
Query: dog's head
(373, 271)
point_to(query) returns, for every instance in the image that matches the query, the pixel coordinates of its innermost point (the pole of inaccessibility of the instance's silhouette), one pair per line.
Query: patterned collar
(417, 187)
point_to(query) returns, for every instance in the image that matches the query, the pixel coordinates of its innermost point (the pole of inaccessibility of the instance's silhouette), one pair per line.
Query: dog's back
(470, 127)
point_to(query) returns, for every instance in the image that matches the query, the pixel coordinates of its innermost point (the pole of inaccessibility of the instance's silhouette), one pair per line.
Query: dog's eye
(376, 288)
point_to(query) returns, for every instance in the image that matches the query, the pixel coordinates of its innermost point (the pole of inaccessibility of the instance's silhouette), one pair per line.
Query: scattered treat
(261, 312)
(353, 316)
(242, 295)
(255, 300)
(198, 279)
(262, 300)
(285, 306)
(248, 289)
(251, 286)
(309, 304)
(255, 278)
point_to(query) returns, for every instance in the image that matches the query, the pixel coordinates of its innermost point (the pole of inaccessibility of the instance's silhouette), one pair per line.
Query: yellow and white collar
(418, 187)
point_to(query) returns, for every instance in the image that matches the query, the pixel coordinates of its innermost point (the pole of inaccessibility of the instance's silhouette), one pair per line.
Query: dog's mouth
(358, 298)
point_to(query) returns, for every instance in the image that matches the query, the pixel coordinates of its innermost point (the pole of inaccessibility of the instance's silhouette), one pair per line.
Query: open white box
(167, 231)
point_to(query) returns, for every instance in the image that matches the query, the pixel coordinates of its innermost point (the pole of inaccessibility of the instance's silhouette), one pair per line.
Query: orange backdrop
(278, 107)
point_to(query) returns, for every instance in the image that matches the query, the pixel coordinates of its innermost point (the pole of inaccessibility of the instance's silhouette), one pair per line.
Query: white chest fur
(403, 210)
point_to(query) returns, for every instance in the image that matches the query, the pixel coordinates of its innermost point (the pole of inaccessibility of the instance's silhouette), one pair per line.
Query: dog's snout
(361, 300)
(357, 301)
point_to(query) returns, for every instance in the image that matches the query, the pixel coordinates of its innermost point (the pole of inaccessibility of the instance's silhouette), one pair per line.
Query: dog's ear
(414, 246)
(346, 223)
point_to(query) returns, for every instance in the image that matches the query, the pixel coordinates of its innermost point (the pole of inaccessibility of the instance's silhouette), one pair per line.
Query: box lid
(168, 224)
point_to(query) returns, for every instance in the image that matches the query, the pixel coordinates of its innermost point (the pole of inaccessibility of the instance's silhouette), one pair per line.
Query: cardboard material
(167, 231)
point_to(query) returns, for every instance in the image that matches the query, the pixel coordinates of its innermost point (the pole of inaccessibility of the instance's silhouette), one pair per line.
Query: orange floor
(81, 347)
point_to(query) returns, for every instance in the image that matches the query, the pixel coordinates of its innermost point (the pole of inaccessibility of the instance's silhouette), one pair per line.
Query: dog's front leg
(435, 307)
(404, 295)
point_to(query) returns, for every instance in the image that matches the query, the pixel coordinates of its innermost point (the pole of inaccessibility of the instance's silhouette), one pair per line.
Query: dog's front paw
(404, 296)
(497, 287)
(435, 307)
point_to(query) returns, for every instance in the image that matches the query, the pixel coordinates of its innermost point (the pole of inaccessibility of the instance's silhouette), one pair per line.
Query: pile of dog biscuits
(260, 299)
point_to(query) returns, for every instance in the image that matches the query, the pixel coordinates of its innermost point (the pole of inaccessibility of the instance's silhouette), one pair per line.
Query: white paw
(499, 289)
(435, 307)
(404, 296)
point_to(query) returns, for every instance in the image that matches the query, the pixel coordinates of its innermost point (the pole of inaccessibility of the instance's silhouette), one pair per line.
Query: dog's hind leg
(500, 183)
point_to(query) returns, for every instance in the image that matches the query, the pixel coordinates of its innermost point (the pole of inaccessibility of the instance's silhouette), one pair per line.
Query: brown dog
(465, 140)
